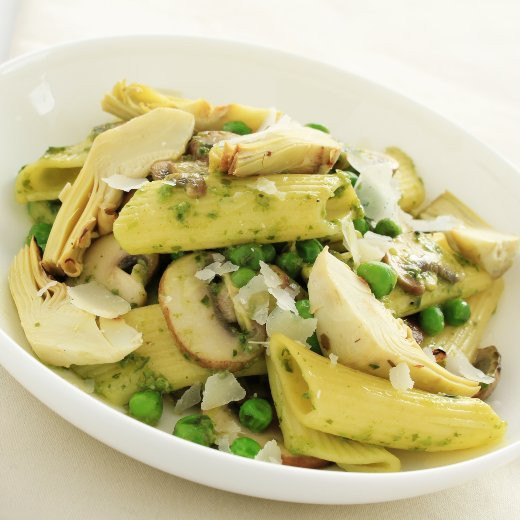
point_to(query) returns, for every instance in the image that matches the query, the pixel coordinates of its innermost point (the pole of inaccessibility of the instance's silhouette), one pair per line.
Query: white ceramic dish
(53, 97)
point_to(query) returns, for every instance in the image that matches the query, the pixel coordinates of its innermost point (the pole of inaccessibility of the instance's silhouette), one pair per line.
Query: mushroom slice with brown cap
(489, 362)
(123, 274)
(127, 150)
(413, 255)
(196, 323)
(201, 143)
(59, 332)
(363, 333)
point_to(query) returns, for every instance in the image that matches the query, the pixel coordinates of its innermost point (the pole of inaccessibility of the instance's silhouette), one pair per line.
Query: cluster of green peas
(248, 257)
(454, 312)
(256, 414)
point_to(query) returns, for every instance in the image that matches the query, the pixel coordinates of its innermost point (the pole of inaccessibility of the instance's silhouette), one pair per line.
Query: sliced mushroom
(413, 256)
(363, 333)
(303, 461)
(417, 332)
(198, 327)
(126, 275)
(489, 361)
(190, 174)
(129, 150)
(59, 332)
(201, 143)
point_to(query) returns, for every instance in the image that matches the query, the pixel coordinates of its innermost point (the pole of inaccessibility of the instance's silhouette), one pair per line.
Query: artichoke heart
(60, 333)
(357, 328)
(279, 149)
(128, 101)
(475, 239)
(129, 149)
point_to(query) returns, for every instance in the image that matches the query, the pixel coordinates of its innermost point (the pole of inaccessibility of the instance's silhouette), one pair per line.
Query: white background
(459, 57)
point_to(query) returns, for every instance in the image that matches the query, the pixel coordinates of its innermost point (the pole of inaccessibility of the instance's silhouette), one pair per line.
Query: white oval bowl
(52, 97)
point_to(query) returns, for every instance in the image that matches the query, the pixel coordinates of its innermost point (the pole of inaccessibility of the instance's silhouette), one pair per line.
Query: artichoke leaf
(60, 333)
(282, 148)
(128, 101)
(475, 239)
(357, 328)
(130, 150)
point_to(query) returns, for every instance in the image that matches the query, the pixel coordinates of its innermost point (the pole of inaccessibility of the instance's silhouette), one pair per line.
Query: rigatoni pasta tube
(466, 338)
(157, 363)
(342, 401)
(300, 440)
(161, 218)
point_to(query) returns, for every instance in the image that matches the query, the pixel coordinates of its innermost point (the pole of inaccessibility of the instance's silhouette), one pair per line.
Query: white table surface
(460, 57)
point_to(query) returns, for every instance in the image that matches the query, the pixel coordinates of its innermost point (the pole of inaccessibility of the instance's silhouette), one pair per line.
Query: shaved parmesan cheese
(350, 240)
(373, 247)
(429, 352)
(217, 257)
(361, 159)
(216, 268)
(269, 187)
(119, 334)
(400, 377)
(441, 223)
(98, 300)
(254, 286)
(378, 193)
(271, 278)
(457, 363)
(270, 119)
(189, 398)
(261, 312)
(46, 287)
(284, 299)
(124, 183)
(333, 359)
(291, 325)
(224, 443)
(221, 389)
(270, 453)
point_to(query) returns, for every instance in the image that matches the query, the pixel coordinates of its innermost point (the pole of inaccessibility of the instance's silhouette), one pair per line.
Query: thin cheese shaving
(333, 359)
(119, 334)
(266, 186)
(189, 398)
(46, 287)
(457, 363)
(98, 300)
(291, 325)
(378, 193)
(400, 377)
(124, 183)
(373, 247)
(350, 240)
(221, 389)
(216, 268)
(270, 453)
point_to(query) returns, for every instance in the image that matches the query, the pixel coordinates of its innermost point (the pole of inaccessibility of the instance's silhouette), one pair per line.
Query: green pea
(309, 250)
(456, 312)
(304, 308)
(256, 414)
(380, 276)
(40, 231)
(245, 447)
(291, 263)
(242, 276)
(388, 227)
(196, 428)
(147, 406)
(245, 255)
(431, 320)
(269, 253)
(237, 127)
(361, 225)
(319, 127)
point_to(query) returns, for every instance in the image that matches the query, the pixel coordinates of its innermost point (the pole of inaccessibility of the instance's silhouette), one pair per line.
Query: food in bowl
(293, 295)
